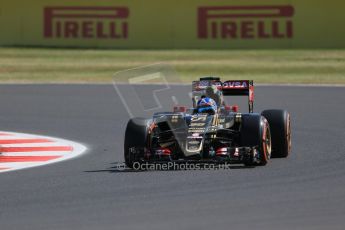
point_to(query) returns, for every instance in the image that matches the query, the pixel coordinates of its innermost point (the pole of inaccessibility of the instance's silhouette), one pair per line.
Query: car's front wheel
(255, 132)
(280, 124)
(135, 138)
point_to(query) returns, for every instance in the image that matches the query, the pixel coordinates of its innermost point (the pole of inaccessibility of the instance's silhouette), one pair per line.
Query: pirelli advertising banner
(223, 24)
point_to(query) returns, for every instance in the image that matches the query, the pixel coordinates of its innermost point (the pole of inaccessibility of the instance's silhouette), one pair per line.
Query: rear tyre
(280, 125)
(255, 132)
(135, 137)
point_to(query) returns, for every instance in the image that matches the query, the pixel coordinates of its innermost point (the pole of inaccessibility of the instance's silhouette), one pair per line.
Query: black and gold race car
(225, 136)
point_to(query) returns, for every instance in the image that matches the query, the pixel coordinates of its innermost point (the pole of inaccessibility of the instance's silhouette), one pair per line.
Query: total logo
(86, 22)
(245, 22)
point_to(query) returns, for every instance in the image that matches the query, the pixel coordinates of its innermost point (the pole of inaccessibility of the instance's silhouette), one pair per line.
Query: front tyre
(135, 139)
(255, 132)
(280, 125)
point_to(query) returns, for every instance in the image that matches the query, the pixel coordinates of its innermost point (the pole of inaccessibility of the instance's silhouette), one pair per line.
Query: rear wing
(240, 88)
(228, 88)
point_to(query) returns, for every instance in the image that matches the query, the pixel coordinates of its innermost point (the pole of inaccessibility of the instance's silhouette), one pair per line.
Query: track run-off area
(304, 191)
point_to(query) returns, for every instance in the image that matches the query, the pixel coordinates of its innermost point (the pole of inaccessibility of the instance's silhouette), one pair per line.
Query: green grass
(22, 65)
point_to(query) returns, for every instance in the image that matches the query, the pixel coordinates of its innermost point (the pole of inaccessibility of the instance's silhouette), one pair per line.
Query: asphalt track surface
(304, 191)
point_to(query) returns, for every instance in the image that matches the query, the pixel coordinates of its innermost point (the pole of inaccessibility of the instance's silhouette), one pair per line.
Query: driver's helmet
(214, 93)
(206, 105)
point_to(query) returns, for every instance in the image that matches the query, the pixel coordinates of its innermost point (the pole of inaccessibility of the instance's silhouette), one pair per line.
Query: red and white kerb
(20, 151)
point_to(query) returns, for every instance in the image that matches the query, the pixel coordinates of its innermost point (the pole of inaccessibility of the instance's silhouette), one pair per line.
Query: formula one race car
(222, 136)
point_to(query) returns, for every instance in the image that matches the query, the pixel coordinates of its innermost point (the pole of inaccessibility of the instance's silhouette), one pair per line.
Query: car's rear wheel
(280, 125)
(135, 138)
(255, 132)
